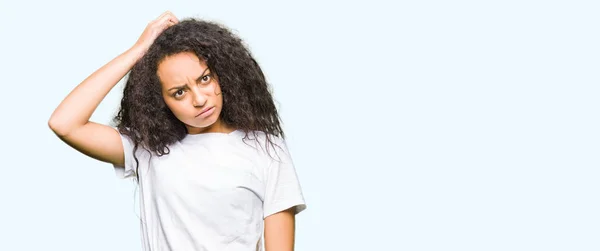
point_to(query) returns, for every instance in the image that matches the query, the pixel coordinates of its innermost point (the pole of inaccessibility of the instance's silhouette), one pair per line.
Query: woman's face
(191, 92)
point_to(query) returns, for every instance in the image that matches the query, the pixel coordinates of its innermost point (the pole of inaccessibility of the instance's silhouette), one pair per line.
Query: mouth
(206, 111)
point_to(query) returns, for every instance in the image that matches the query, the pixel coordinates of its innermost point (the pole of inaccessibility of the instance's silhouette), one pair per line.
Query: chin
(205, 123)
(202, 125)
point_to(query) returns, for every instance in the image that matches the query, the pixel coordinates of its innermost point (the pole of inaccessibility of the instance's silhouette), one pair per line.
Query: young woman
(199, 132)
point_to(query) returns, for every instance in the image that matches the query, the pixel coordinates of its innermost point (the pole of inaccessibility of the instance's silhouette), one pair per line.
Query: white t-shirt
(212, 191)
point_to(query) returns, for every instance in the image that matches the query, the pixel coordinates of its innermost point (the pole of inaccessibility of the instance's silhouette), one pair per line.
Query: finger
(172, 17)
(161, 16)
(164, 24)
(173, 20)
(164, 19)
(161, 22)
(166, 13)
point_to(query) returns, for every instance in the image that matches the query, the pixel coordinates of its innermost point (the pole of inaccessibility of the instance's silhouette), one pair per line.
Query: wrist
(136, 52)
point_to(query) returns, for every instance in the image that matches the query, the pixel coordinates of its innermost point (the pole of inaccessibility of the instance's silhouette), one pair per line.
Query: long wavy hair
(247, 101)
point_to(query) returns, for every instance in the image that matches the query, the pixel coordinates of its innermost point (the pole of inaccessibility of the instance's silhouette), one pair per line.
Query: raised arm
(70, 120)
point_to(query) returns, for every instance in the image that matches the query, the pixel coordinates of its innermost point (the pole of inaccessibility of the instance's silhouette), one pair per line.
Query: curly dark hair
(247, 102)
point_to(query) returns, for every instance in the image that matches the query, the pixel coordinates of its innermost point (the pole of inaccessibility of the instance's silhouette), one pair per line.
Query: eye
(178, 93)
(205, 79)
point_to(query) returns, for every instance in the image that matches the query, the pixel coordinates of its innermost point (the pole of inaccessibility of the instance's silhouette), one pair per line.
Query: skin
(280, 231)
(70, 121)
(189, 88)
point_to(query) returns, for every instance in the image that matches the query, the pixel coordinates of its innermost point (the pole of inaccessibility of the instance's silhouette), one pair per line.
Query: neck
(217, 127)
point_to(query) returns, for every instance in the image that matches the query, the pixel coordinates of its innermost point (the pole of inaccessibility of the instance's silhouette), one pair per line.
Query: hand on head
(155, 28)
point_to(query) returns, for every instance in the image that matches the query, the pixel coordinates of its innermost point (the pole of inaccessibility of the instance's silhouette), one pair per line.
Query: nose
(198, 99)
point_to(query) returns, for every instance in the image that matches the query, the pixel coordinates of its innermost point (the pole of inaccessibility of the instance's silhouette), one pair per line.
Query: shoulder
(259, 138)
(272, 148)
(263, 137)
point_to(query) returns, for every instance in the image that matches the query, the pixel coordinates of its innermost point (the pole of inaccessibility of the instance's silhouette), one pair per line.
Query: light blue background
(419, 125)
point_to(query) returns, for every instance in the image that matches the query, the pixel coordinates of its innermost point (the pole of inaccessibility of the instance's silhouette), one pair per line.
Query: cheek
(219, 101)
(174, 106)
(215, 96)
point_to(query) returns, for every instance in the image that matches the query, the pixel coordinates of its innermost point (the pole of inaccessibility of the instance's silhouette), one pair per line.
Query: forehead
(180, 68)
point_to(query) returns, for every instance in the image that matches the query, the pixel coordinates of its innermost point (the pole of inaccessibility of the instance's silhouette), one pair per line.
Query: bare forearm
(77, 108)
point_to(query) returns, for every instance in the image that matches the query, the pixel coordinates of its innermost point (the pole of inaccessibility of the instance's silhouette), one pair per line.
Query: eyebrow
(182, 86)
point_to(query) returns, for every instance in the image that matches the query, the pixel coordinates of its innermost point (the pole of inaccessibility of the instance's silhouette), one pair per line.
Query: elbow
(59, 128)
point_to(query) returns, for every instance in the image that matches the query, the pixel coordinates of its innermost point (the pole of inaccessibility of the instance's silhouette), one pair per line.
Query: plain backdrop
(414, 125)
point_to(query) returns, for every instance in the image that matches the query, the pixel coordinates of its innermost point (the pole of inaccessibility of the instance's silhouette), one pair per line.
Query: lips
(208, 109)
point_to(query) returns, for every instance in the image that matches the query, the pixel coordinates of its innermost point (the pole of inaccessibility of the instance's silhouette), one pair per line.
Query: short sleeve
(128, 169)
(283, 189)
